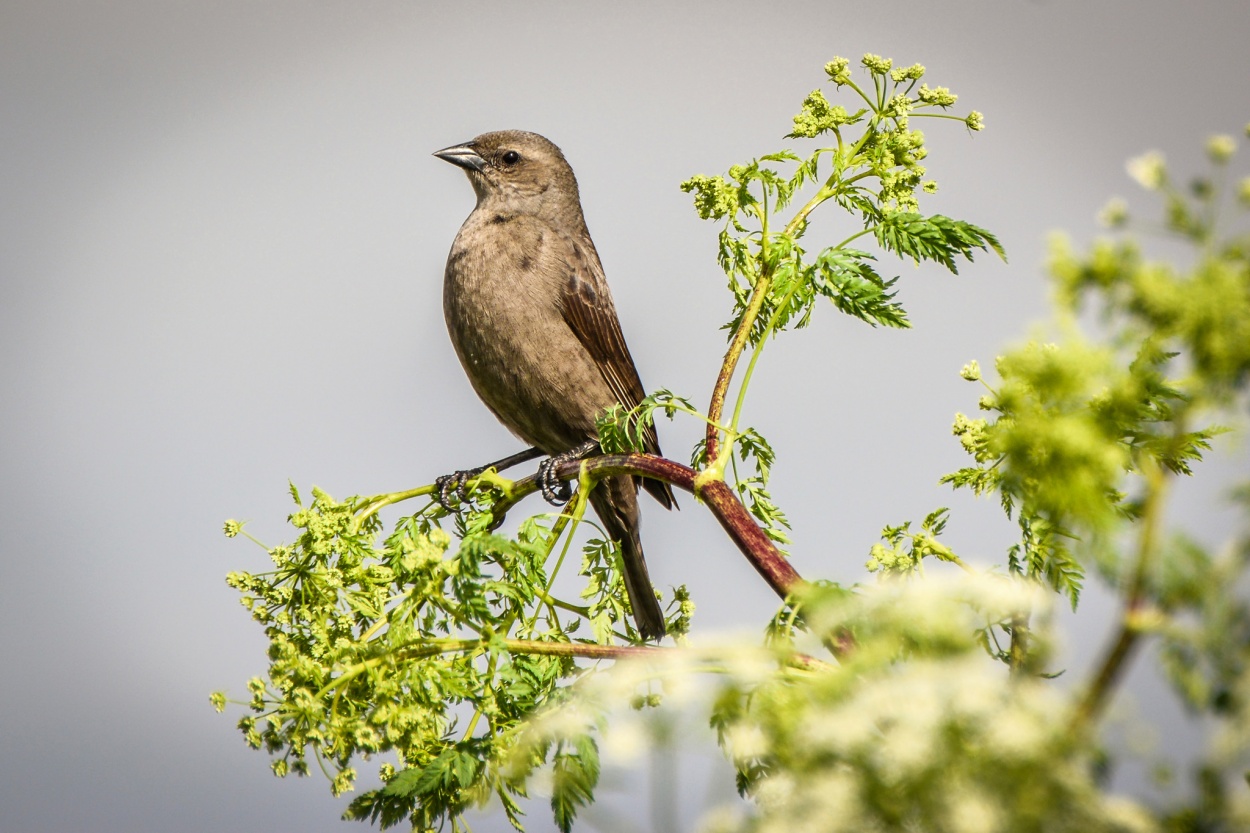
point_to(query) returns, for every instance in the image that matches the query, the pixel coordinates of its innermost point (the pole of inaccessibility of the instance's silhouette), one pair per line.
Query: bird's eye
(511, 157)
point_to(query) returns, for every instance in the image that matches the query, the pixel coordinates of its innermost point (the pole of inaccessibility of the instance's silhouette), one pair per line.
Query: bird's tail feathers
(616, 503)
(661, 491)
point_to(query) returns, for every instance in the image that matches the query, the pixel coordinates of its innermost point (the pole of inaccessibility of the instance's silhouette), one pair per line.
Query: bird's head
(517, 171)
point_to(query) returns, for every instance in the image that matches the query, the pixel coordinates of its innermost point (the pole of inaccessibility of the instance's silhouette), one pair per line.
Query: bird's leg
(456, 480)
(555, 491)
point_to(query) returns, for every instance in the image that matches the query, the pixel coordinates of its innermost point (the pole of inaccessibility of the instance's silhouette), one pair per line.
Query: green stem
(477, 713)
(777, 313)
(579, 610)
(811, 205)
(737, 346)
(1130, 629)
(755, 357)
(872, 105)
(916, 115)
(579, 509)
(729, 365)
(535, 647)
(1019, 656)
(378, 502)
(855, 236)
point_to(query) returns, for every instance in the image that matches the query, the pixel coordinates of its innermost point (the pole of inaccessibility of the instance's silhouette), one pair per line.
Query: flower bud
(876, 64)
(1148, 169)
(1114, 214)
(1220, 148)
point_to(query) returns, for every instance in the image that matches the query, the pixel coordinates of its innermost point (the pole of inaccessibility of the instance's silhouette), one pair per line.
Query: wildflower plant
(918, 698)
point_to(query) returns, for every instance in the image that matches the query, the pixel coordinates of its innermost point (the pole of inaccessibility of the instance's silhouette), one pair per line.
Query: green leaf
(936, 238)
(574, 778)
(847, 278)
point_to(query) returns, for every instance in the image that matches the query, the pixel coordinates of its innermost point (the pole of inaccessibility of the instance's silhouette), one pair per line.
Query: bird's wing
(586, 304)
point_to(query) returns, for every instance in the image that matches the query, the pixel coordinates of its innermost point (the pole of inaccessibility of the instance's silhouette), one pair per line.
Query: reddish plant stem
(754, 543)
(750, 538)
(1127, 640)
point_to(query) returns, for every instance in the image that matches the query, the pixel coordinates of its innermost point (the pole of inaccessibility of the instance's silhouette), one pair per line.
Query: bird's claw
(454, 483)
(554, 490)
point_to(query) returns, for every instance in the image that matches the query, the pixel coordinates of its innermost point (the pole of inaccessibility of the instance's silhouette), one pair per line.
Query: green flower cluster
(873, 171)
(903, 551)
(892, 151)
(819, 116)
(380, 647)
(714, 198)
(886, 149)
(1084, 436)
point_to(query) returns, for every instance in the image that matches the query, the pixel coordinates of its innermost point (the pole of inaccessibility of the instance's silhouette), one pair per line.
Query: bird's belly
(523, 360)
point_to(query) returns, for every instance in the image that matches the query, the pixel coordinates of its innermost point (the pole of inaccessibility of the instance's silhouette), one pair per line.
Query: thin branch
(1019, 652)
(736, 520)
(433, 647)
(1128, 636)
(581, 649)
(717, 406)
(763, 285)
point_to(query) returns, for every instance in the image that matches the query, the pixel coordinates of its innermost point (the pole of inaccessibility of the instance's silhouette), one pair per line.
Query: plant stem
(738, 344)
(429, 648)
(736, 520)
(1019, 651)
(855, 236)
(730, 364)
(373, 505)
(1129, 633)
(755, 355)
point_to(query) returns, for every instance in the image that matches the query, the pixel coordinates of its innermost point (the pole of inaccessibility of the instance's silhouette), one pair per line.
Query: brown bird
(532, 320)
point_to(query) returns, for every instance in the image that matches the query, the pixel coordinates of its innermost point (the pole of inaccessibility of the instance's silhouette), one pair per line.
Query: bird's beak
(462, 155)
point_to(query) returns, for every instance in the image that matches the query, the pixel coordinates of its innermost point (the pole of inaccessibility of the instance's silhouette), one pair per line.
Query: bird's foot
(455, 483)
(554, 490)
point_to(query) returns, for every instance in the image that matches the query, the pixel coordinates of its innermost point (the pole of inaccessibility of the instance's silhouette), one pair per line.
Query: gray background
(221, 248)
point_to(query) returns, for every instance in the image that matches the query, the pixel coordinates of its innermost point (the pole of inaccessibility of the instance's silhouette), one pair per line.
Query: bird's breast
(502, 302)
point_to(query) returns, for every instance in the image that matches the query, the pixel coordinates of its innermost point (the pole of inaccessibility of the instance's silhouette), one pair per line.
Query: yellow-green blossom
(714, 197)
(910, 73)
(1149, 170)
(876, 64)
(941, 96)
(1114, 214)
(839, 71)
(1220, 148)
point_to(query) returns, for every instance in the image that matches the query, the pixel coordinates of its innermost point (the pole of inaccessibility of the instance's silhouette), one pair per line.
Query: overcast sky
(222, 238)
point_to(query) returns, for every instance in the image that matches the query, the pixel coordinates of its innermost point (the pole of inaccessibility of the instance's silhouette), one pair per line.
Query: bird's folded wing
(587, 306)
